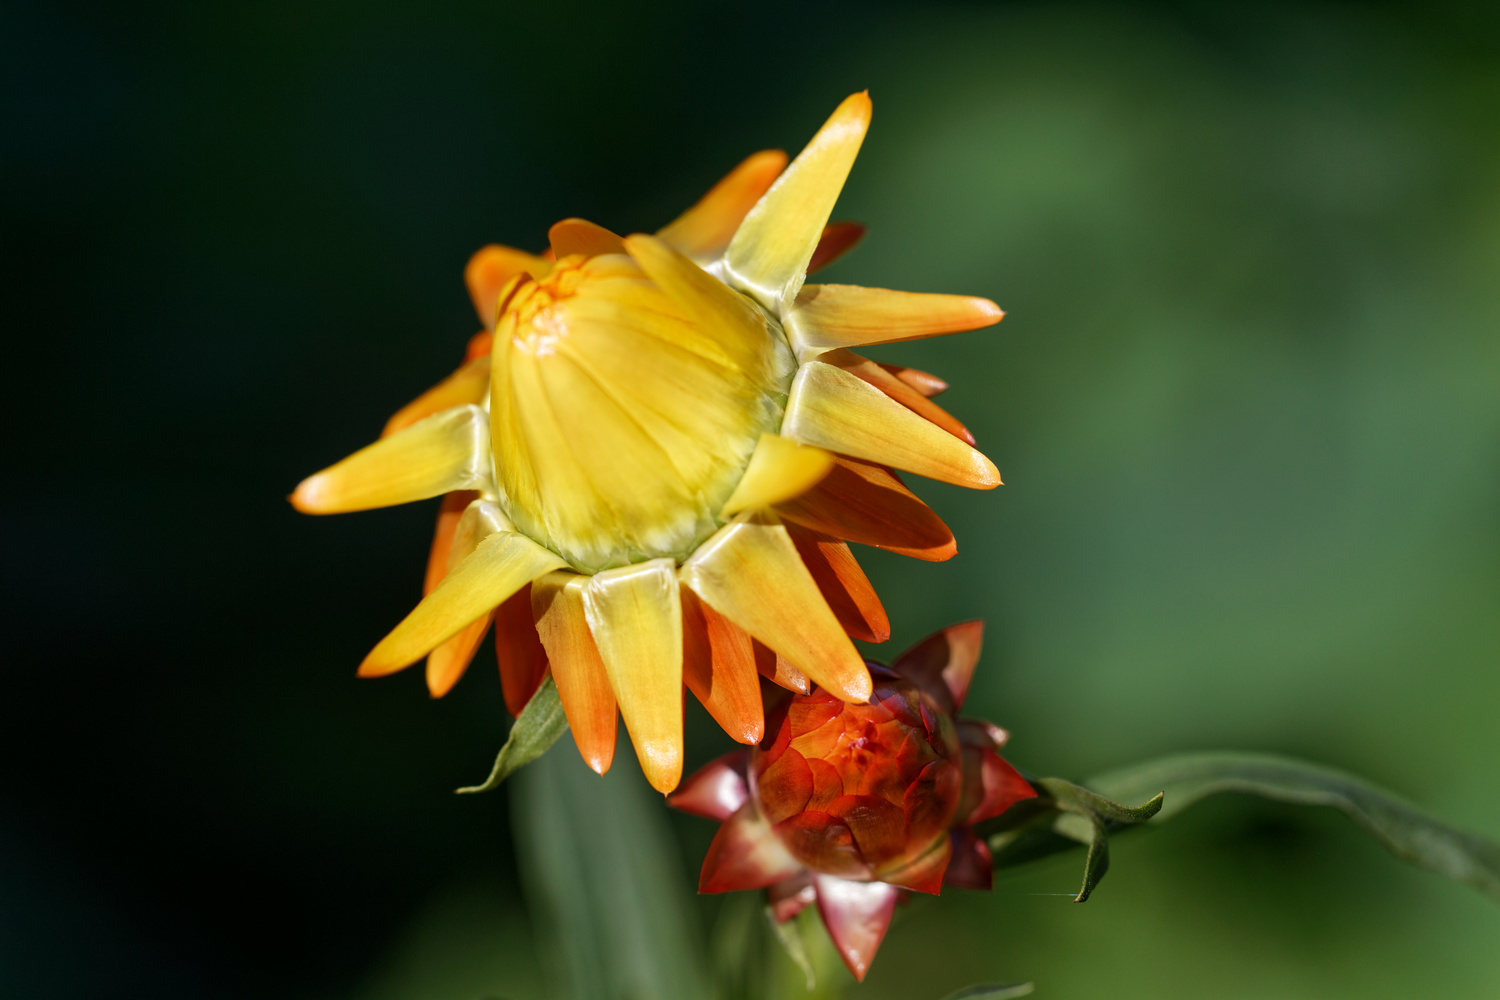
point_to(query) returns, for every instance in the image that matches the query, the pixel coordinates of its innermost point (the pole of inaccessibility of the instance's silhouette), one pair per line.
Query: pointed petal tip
(307, 497)
(575, 235)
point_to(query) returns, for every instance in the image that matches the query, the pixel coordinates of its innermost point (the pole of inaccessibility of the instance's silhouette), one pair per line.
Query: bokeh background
(1246, 402)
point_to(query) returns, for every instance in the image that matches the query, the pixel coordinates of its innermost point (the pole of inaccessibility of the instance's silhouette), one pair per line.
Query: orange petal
(479, 345)
(467, 385)
(832, 409)
(635, 616)
(582, 682)
(718, 666)
(518, 651)
(943, 664)
(767, 259)
(838, 239)
(447, 663)
(490, 269)
(926, 874)
(926, 383)
(439, 454)
(866, 503)
(899, 390)
(778, 671)
(572, 236)
(828, 316)
(750, 573)
(849, 593)
(704, 230)
(442, 539)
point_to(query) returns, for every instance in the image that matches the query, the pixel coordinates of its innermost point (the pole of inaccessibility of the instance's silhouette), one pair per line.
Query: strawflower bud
(852, 806)
(655, 454)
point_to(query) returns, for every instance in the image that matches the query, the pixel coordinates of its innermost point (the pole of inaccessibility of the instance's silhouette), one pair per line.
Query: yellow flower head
(655, 455)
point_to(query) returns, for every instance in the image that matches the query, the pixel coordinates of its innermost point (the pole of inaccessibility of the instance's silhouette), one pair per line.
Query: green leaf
(1074, 798)
(538, 726)
(993, 991)
(615, 915)
(1405, 831)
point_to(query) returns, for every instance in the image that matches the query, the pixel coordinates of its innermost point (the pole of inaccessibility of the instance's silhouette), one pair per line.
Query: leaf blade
(540, 724)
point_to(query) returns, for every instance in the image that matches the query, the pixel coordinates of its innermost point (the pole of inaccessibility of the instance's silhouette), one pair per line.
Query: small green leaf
(789, 935)
(993, 991)
(1074, 798)
(1405, 831)
(538, 726)
(1097, 862)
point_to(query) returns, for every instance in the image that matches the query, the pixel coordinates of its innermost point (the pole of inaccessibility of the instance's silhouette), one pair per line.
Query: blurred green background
(1246, 402)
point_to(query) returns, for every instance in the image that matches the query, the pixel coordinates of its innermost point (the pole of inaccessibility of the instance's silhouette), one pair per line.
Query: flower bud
(861, 791)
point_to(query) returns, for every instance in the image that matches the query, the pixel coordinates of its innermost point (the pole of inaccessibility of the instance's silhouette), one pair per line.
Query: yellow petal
(488, 272)
(635, 615)
(470, 384)
(780, 469)
(582, 682)
(833, 409)
(501, 565)
(447, 663)
(751, 574)
(704, 230)
(444, 452)
(572, 236)
(741, 328)
(827, 316)
(769, 253)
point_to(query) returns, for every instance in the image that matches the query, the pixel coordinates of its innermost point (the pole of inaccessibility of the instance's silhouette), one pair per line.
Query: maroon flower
(853, 805)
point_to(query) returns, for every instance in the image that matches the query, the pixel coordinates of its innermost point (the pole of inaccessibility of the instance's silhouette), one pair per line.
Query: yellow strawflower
(655, 455)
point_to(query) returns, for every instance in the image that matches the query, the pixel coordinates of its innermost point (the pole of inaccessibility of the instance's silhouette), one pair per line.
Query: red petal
(1002, 787)
(972, 866)
(943, 663)
(931, 800)
(857, 915)
(716, 790)
(745, 854)
(824, 843)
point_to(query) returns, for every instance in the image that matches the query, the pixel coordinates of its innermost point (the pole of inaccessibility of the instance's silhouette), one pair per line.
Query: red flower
(852, 805)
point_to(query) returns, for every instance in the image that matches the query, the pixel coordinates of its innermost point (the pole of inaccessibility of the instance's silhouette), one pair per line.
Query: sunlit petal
(898, 389)
(768, 256)
(716, 790)
(833, 409)
(470, 384)
(444, 452)
(501, 565)
(635, 615)
(491, 269)
(745, 854)
(750, 572)
(828, 316)
(942, 664)
(857, 915)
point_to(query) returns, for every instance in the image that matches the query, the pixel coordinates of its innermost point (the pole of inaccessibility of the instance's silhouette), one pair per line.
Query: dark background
(1247, 405)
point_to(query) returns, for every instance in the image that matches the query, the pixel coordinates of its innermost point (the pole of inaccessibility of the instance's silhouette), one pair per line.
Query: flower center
(620, 422)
